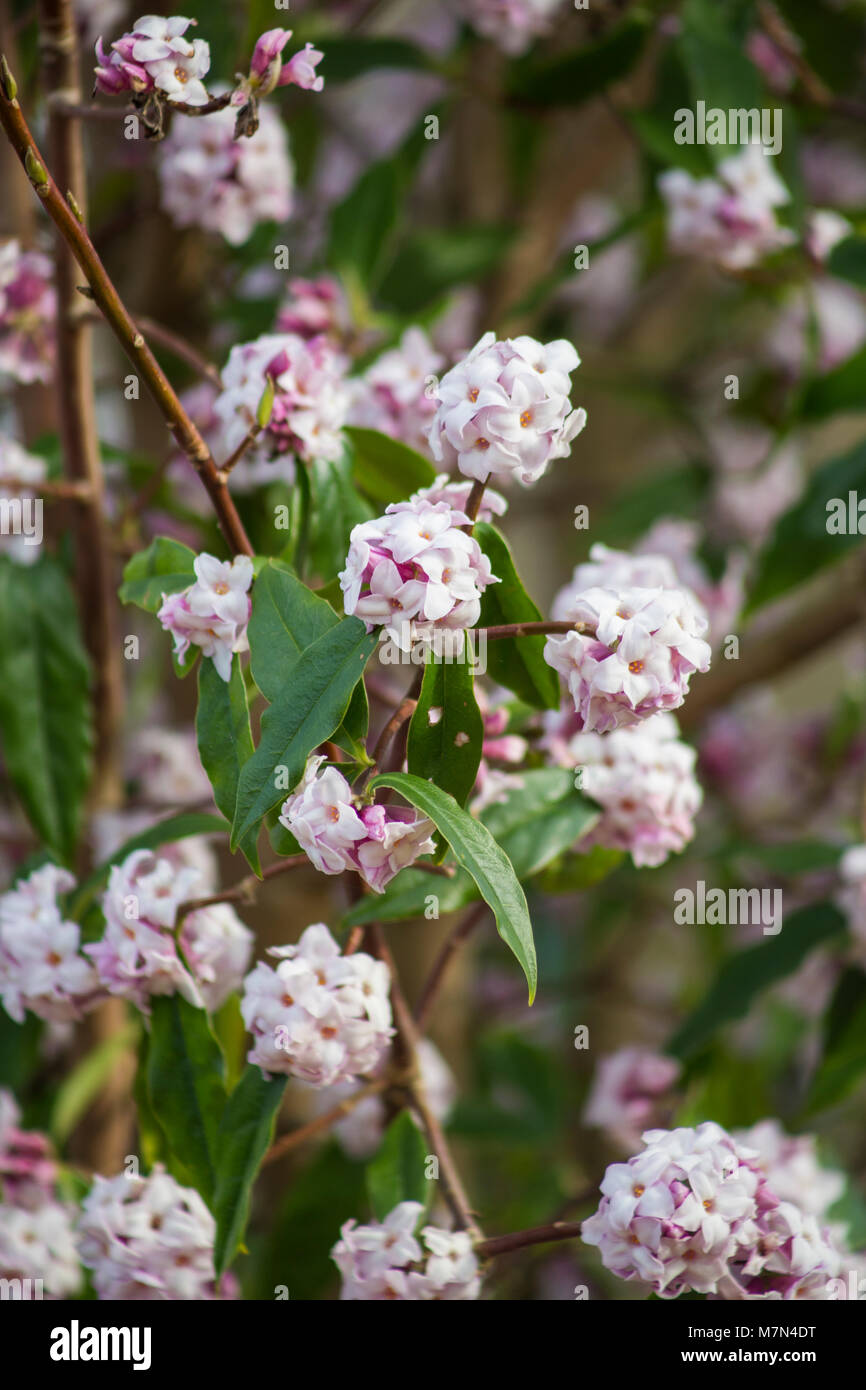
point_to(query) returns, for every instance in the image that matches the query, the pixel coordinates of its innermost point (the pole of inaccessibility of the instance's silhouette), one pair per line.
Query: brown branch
(451, 946)
(404, 711)
(246, 443)
(245, 890)
(289, 1142)
(79, 491)
(106, 296)
(535, 1235)
(532, 629)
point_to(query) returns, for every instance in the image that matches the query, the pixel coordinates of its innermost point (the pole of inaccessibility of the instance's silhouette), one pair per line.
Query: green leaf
(45, 700)
(801, 544)
(720, 73)
(840, 390)
(286, 619)
(386, 470)
(186, 1083)
(515, 662)
(165, 567)
(304, 716)
(843, 1059)
(575, 77)
(225, 740)
(478, 853)
(337, 507)
(446, 731)
(431, 262)
(245, 1134)
(748, 973)
(538, 821)
(397, 1172)
(848, 260)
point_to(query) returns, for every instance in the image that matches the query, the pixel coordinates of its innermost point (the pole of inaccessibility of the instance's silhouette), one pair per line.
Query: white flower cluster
(319, 1015)
(504, 410)
(213, 612)
(208, 179)
(730, 219)
(696, 1210)
(138, 956)
(38, 1243)
(41, 966)
(643, 778)
(147, 1239)
(385, 1260)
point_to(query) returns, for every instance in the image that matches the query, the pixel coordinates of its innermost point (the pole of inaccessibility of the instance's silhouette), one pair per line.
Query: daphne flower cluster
(147, 1238)
(340, 832)
(414, 567)
(642, 639)
(37, 1240)
(629, 1091)
(318, 1015)
(268, 70)
(314, 307)
(694, 1210)
(137, 956)
(310, 398)
(512, 24)
(385, 1260)
(730, 219)
(212, 613)
(208, 179)
(28, 306)
(642, 777)
(396, 394)
(41, 966)
(155, 57)
(504, 410)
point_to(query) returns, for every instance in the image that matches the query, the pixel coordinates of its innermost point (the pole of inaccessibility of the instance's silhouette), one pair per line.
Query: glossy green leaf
(384, 468)
(397, 1172)
(245, 1134)
(515, 662)
(225, 740)
(446, 731)
(337, 507)
(484, 860)
(165, 567)
(186, 1084)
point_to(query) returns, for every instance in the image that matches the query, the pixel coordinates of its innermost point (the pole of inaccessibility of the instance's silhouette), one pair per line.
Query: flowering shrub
(385, 914)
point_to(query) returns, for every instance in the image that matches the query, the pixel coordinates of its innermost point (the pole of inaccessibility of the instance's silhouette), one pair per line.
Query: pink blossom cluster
(642, 639)
(504, 411)
(37, 1238)
(42, 969)
(318, 1015)
(385, 1260)
(729, 219)
(311, 398)
(494, 785)
(340, 832)
(212, 613)
(155, 57)
(361, 1131)
(147, 1239)
(397, 392)
(268, 69)
(414, 570)
(629, 1093)
(28, 307)
(313, 308)
(512, 24)
(694, 1210)
(643, 778)
(138, 955)
(208, 179)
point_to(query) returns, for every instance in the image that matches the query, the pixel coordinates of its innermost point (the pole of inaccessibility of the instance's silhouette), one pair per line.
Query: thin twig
(404, 711)
(80, 490)
(532, 629)
(287, 1143)
(181, 348)
(246, 443)
(535, 1235)
(106, 296)
(473, 501)
(245, 890)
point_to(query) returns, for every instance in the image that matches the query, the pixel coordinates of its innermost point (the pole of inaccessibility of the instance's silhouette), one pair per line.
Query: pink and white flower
(414, 570)
(642, 777)
(385, 1260)
(641, 642)
(138, 955)
(42, 969)
(28, 309)
(729, 219)
(314, 307)
(28, 1171)
(318, 1015)
(340, 832)
(504, 411)
(37, 1243)
(154, 56)
(208, 179)
(311, 398)
(212, 613)
(147, 1238)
